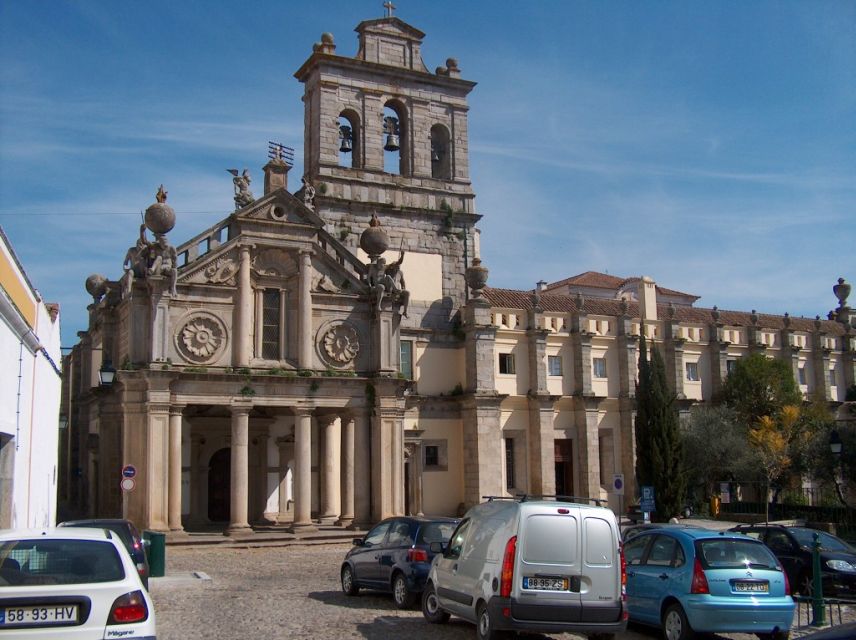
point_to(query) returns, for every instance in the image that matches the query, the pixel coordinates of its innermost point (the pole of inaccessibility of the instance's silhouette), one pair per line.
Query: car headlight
(841, 565)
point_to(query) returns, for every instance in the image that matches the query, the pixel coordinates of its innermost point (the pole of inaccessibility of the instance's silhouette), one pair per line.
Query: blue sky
(710, 145)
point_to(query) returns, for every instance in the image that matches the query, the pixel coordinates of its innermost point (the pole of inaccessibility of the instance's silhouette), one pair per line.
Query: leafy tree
(715, 448)
(771, 439)
(760, 386)
(659, 445)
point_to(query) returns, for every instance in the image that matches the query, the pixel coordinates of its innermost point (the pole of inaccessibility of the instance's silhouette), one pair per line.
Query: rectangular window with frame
(435, 455)
(730, 365)
(801, 376)
(509, 463)
(692, 371)
(832, 378)
(432, 455)
(271, 324)
(598, 366)
(406, 362)
(506, 363)
(554, 365)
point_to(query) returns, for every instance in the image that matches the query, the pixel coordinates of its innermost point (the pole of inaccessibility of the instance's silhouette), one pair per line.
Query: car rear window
(550, 539)
(40, 561)
(727, 553)
(436, 532)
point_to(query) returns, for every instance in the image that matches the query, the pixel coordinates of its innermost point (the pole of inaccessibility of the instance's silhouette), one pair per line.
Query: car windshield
(729, 553)
(805, 537)
(40, 561)
(436, 532)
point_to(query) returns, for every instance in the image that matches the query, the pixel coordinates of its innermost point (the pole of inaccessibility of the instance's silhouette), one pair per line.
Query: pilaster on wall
(790, 352)
(537, 356)
(627, 426)
(581, 355)
(541, 436)
(820, 362)
(387, 455)
(482, 447)
(673, 346)
(718, 350)
(587, 447)
(627, 360)
(480, 347)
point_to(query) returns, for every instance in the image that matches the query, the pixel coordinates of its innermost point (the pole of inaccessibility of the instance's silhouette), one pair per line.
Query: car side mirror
(437, 547)
(358, 542)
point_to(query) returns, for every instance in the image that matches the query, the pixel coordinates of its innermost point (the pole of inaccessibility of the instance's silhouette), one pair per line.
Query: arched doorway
(219, 485)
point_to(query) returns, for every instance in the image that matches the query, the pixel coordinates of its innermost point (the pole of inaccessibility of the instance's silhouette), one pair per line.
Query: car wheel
(431, 606)
(675, 624)
(403, 598)
(484, 624)
(781, 635)
(349, 585)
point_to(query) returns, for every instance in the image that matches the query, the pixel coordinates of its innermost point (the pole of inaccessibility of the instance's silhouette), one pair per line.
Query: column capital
(240, 409)
(324, 419)
(177, 409)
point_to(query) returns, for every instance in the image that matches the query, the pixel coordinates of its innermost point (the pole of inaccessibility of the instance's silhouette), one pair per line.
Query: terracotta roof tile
(605, 281)
(555, 303)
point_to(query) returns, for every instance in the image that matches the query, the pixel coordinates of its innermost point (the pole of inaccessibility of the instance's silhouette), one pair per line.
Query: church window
(350, 149)
(692, 371)
(599, 367)
(406, 362)
(271, 329)
(441, 164)
(506, 363)
(554, 365)
(509, 463)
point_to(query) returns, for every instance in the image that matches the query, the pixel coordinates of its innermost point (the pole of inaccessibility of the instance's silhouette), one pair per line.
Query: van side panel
(600, 589)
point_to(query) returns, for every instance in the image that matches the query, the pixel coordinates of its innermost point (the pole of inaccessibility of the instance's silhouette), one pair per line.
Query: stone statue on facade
(164, 261)
(241, 182)
(136, 262)
(308, 193)
(388, 280)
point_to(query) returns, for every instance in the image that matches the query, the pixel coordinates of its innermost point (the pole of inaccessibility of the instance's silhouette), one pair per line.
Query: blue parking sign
(647, 503)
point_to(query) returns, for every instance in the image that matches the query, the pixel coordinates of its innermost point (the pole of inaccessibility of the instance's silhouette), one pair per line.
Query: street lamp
(106, 374)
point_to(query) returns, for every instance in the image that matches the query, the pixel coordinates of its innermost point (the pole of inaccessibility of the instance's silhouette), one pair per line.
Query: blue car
(688, 580)
(395, 556)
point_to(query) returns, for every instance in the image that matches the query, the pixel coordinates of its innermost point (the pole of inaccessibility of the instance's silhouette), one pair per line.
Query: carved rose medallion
(201, 338)
(341, 343)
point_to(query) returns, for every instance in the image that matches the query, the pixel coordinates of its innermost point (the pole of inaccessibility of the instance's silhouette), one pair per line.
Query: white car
(73, 584)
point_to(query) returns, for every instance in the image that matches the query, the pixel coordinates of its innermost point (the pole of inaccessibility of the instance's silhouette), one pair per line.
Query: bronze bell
(345, 136)
(392, 143)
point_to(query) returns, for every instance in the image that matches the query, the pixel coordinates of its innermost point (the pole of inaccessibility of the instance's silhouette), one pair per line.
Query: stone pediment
(220, 268)
(280, 206)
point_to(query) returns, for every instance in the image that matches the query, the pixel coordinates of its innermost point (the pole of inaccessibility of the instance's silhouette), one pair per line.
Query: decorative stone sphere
(96, 286)
(374, 240)
(476, 277)
(327, 38)
(160, 218)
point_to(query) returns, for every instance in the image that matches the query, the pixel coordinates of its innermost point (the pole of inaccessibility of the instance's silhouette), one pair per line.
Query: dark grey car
(128, 534)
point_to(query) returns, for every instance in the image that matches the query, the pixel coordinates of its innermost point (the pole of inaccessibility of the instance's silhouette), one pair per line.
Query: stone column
(397, 475)
(243, 310)
(286, 451)
(346, 517)
(302, 471)
(304, 354)
(174, 499)
(329, 463)
(240, 466)
(362, 472)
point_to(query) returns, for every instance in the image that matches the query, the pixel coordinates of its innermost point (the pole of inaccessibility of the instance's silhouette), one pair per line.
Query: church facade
(332, 355)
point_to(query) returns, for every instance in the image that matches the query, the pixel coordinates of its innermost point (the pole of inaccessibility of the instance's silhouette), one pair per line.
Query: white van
(537, 564)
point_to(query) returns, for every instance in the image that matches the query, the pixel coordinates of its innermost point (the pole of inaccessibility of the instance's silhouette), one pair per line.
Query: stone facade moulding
(339, 342)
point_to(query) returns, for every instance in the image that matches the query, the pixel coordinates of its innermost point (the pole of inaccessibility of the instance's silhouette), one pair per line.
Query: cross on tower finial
(389, 8)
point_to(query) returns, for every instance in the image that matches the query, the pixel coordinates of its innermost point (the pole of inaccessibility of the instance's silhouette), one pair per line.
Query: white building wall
(30, 391)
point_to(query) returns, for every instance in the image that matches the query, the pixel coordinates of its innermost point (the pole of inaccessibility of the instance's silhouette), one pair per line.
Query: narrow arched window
(441, 153)
(350, 149)
(395, 151)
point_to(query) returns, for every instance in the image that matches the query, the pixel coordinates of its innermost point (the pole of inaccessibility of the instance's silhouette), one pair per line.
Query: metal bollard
(817, 610)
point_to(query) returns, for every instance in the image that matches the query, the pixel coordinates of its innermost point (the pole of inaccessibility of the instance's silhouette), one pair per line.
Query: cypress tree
(659, 446)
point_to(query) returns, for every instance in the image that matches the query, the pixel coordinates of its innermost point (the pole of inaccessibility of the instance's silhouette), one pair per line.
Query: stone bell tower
(384, 135)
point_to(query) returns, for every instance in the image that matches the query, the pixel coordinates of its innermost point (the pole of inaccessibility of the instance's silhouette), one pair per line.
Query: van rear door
(547, 578)
(600, 591)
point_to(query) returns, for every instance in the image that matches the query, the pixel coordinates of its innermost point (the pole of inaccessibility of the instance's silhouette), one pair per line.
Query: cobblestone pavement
(294, 592)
